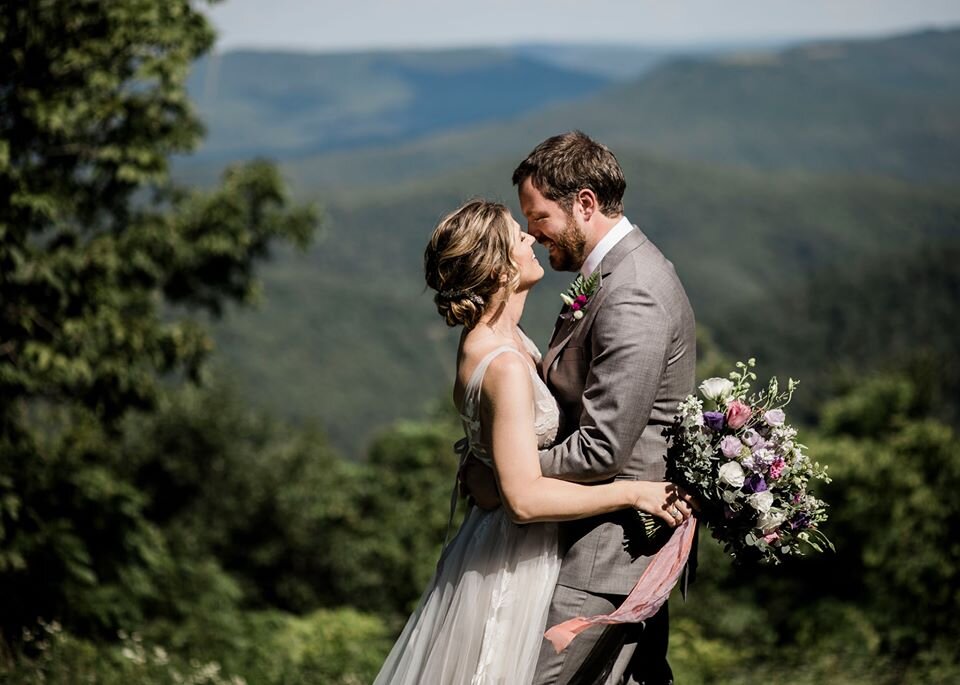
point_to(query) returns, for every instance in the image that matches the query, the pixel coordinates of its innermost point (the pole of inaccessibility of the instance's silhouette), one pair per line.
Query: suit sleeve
(631, 336)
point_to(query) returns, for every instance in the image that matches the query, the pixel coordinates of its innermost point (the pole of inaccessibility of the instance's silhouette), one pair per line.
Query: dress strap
(471, 418)
(470, 411)
(530, 345)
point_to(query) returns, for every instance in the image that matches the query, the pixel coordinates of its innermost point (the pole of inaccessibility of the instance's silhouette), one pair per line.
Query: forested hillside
(293, 105)
(876, 107)
(352, 316)
(896, 313)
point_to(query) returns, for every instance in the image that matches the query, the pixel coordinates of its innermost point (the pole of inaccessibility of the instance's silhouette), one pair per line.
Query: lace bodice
(546, 412)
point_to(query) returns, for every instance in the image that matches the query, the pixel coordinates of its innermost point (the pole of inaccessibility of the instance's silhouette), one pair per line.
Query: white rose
(716, 389)
(761, 501)
(772, 519)
(731, 473)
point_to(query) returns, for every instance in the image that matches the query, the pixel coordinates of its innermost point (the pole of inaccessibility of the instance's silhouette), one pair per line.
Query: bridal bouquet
(735, 451)
(741, 459)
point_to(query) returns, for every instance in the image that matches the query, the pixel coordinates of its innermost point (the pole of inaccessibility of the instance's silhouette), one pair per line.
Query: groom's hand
(477, 481)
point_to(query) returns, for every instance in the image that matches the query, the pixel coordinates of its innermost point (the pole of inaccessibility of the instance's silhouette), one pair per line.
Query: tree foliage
(104, 266)
(894, 473)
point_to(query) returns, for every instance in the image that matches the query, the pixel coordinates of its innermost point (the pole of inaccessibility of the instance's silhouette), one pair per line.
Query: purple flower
(801, 521)
(763, 457)
(774, 417)
(730, 446)
(755, 483)
(715, 420)
(751, 437)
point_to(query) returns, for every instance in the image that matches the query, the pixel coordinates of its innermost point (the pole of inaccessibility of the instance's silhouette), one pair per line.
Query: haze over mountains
(754, 172)
(887, 107)
(289, 105)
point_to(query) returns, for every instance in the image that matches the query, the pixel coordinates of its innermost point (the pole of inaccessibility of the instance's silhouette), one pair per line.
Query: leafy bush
(332, 647)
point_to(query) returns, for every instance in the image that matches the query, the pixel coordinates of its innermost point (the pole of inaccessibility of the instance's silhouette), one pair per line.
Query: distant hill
(614, 62)
(285, 105)
(887, 107)
(627, 62)
(349, 337)
(819, 159)
(895, 313)
(294, 104)
(882, 107)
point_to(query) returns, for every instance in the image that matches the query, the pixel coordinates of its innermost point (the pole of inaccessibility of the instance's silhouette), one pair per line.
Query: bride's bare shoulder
(472, 352)
(507, 373)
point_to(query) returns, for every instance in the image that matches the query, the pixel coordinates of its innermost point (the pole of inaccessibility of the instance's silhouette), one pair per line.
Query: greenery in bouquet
(735, 451)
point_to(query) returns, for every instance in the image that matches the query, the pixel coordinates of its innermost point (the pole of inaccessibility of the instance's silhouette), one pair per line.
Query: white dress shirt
(607, 243)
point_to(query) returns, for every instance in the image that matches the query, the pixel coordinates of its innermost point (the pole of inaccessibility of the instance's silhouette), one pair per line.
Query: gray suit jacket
(618, 374)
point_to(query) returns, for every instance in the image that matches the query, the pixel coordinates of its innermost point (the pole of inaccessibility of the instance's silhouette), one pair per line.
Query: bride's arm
(507, 408)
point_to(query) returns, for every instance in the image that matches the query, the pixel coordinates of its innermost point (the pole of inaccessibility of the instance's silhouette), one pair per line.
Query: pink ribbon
(647, 596)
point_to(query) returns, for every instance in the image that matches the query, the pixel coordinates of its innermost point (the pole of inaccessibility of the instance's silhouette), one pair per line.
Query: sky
(322, 25)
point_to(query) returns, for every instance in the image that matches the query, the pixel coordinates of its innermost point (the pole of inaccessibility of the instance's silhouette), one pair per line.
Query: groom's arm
(477, 481)
(631, 338)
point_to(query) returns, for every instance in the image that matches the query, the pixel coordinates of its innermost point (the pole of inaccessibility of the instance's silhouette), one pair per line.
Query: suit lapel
(564, 330)
(560, 338)
(557, 325)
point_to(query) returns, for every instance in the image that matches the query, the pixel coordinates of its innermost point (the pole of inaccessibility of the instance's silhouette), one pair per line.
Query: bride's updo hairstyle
(469, 259)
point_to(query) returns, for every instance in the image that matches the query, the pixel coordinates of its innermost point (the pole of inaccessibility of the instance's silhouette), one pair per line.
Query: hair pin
(457, 294)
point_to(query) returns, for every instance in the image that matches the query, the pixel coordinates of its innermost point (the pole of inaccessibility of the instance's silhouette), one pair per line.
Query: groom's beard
(569, 248)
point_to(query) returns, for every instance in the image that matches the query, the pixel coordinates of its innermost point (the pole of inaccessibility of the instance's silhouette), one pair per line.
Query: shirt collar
(607, 243)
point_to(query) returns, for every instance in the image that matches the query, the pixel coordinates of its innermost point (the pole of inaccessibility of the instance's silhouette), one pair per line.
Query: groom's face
(553, 228)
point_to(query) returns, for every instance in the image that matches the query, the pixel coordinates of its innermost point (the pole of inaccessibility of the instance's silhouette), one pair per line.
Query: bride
(482, 617)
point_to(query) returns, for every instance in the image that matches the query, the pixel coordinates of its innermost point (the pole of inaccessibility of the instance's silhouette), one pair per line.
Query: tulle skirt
(481, 619)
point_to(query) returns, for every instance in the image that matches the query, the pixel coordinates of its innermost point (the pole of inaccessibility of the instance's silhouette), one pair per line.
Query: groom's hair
(561, 166)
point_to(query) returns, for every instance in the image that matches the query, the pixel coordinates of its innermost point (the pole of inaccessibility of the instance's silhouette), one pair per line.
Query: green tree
(894, 478)
(387, 556)
(269, 502)
(104, 269)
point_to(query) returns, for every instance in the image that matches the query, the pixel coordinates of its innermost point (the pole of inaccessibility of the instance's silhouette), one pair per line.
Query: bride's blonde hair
(468, 260)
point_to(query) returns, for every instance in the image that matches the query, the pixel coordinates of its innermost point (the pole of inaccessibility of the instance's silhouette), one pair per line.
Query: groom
(618, 370)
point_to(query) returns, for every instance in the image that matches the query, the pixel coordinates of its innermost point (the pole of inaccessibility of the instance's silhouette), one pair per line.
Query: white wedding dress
(481, 619)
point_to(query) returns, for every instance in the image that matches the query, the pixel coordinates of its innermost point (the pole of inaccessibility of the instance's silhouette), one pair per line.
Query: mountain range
(759, 174)
(289, 105)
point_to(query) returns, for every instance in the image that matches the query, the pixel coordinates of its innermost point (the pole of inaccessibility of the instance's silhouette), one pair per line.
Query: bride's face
(525, 258)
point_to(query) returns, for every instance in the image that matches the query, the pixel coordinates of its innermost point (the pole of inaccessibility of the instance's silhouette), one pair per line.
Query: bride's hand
(667, 501)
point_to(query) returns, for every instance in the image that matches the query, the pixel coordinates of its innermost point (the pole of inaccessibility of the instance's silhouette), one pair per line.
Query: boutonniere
(579, 294)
